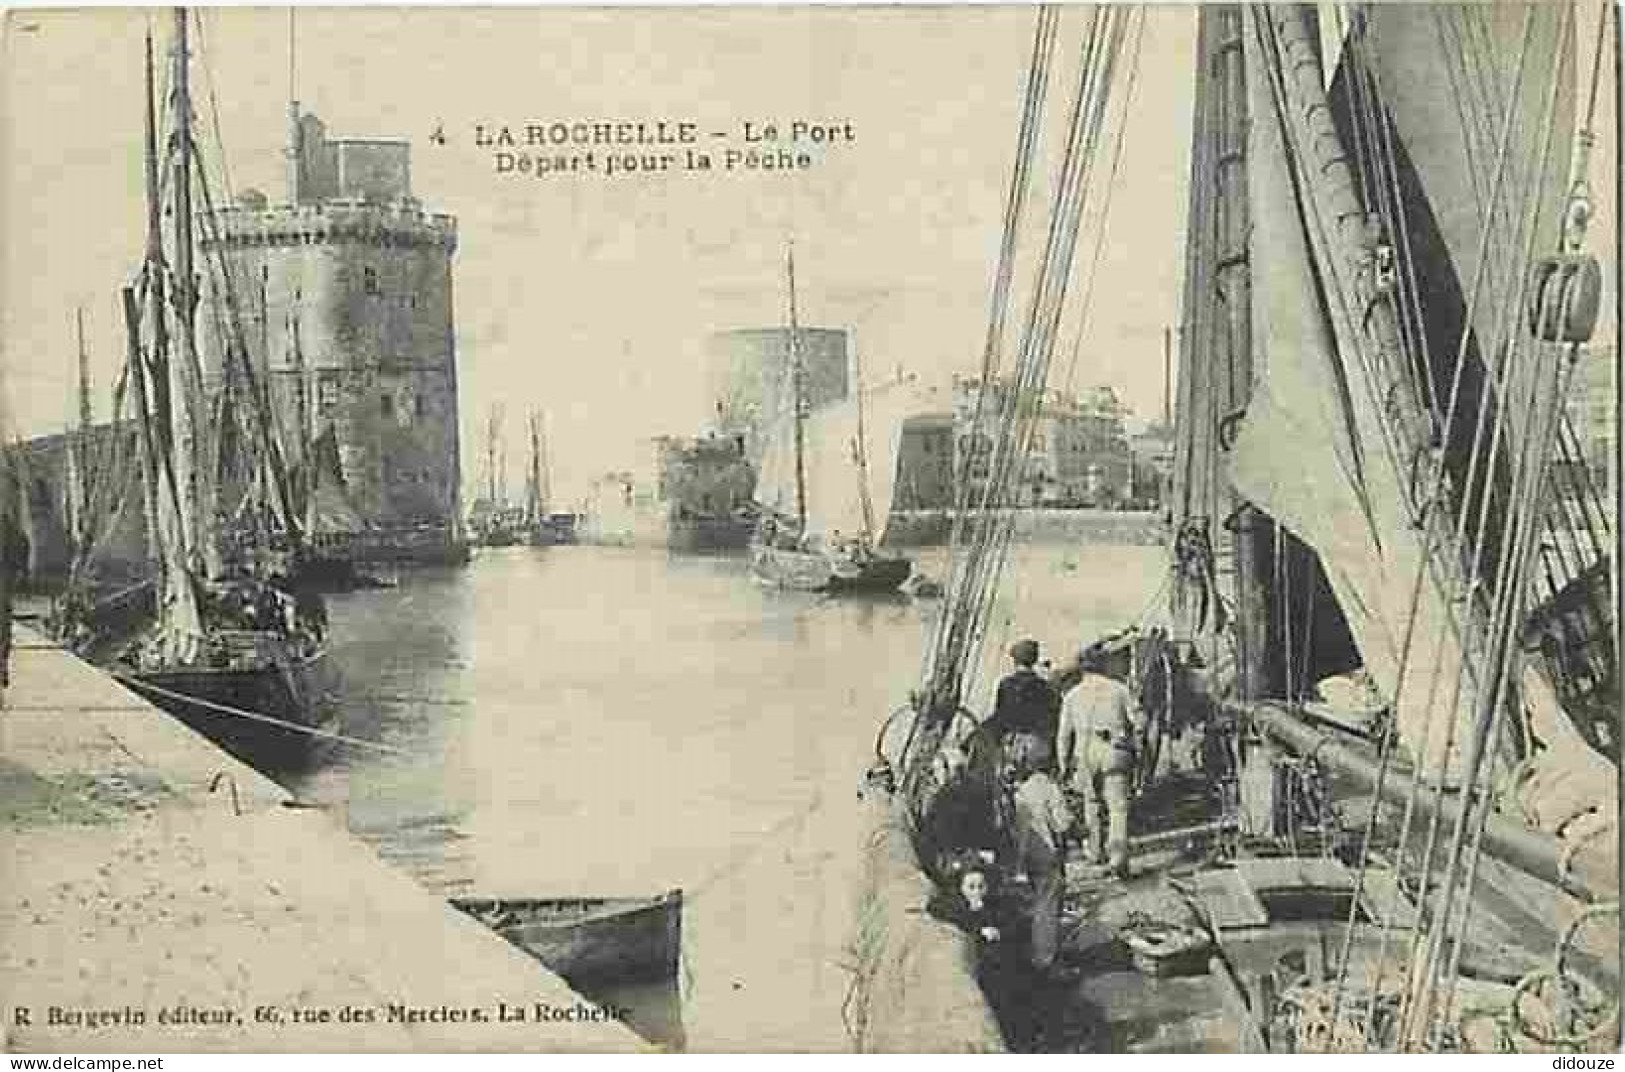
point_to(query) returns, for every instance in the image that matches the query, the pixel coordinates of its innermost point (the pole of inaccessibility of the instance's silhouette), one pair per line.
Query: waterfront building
(1152, 448)
(925, 463)
(1078, 456)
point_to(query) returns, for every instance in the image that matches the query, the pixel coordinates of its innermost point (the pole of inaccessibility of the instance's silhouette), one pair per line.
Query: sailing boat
(1386, 291)
(545, 529)
(229, 653)
(822, 514)
(492, 520)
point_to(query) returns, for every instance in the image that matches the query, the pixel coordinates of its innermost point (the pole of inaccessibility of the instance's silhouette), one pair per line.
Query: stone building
(344, 301)
(749, 377)
(1079, 453)
(925, 463)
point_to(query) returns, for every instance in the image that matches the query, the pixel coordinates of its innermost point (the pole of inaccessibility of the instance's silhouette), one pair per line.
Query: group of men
(1071, 734)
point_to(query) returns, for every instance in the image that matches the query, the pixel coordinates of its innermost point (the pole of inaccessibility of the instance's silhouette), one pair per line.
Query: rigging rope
(135, 682)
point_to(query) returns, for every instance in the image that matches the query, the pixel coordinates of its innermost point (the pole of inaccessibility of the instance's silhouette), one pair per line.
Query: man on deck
(1026, 701)
(1098, 749)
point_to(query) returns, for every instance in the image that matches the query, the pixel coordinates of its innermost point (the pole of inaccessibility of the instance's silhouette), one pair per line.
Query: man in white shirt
(1041, 822)
(1098, 745)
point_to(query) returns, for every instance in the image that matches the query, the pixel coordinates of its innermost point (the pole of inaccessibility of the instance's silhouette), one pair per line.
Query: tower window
(386, 405)
(369, 280)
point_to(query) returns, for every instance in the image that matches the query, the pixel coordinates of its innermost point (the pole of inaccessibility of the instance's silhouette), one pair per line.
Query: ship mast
(169, 533)
(190, 450)
(1231, 338)
(86, 417)
(79, 523)
(860, 448)
(798, 387)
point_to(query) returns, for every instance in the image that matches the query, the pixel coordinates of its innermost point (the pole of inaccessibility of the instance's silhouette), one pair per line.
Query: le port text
(665, 147)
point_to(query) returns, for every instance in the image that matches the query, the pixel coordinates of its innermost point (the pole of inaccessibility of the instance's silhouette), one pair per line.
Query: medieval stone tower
(344, 297)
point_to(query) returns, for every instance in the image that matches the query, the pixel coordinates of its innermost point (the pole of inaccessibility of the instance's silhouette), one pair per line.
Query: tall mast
(1167, 377)
(86, 416)
(544, 483)
(78, 496)
(533, 479)
(143, 414)
(167, 525)
(862, 448)
(798, 395)
(190, 475)
(295, 149)
(1232, 329)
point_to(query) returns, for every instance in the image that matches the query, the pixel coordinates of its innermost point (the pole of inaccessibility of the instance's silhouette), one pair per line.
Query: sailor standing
(1041, 822)
(1026, 701)
(1098, 750)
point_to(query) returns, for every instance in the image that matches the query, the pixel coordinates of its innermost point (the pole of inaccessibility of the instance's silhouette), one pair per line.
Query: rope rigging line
(1087, 302)
(1529, 488)
(965, 600)
(1015, 202)
(1367, 88)
(1008, 415)
(1028, 401)
(135, 682)
(1506, 583)
(1412, 631)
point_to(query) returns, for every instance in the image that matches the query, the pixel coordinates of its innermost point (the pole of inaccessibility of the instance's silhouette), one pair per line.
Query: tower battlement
(401, 224)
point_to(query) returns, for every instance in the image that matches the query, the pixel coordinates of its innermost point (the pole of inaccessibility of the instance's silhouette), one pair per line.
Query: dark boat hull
(290, 694)
(814, 571)
(709, 533)
(553, 531)
(591, 940)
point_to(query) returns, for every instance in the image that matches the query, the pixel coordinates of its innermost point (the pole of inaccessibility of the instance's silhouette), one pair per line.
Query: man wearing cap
(1026, 701)
(1098, 749)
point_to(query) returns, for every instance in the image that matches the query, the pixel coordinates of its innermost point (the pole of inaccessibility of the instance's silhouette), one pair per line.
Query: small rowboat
(590, 939)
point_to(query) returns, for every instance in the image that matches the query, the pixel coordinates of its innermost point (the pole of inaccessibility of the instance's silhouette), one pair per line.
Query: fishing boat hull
(590, 940)
(553, 531)
(709, 533)
(815, 571)
(289, 692)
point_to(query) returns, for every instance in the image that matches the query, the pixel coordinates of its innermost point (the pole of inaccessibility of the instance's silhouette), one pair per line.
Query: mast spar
(861, 450)
(86, 417)
(798, 390)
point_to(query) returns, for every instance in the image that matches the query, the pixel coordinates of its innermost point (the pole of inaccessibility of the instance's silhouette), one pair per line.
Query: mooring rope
(135, 682)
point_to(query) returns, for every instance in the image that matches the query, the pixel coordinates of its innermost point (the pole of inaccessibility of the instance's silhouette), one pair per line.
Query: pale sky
(590, 297)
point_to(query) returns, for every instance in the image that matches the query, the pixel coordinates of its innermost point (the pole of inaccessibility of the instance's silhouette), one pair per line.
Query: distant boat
(590, 939)
(823, 498)
(493, 521)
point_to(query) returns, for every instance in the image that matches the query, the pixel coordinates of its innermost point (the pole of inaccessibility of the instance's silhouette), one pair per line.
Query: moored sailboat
(229, 652)
(823, 498)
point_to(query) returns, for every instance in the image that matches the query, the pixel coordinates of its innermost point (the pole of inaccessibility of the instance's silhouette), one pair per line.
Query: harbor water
(602, 721)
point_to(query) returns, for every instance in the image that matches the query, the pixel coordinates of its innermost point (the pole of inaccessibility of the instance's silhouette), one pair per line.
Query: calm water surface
(607, 721)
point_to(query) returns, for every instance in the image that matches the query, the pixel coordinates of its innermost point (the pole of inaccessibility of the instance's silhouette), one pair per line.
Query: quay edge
(147, 870)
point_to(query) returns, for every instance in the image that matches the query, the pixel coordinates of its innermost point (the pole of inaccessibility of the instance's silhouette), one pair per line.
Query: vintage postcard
(1078, 529)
